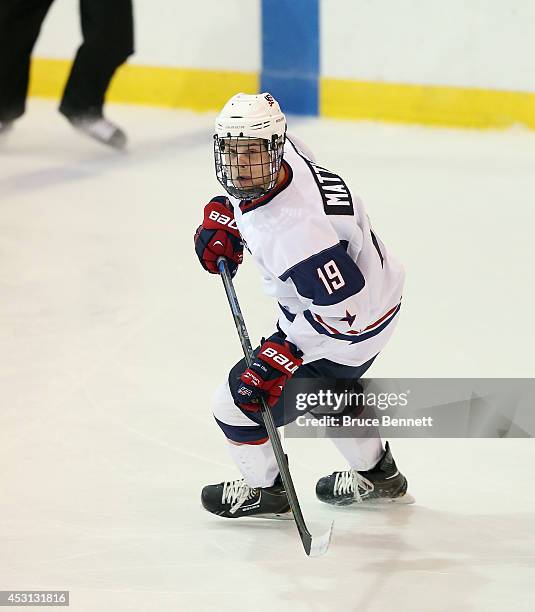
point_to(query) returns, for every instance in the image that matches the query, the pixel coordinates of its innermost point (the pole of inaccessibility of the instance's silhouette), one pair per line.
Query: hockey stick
(314, 545)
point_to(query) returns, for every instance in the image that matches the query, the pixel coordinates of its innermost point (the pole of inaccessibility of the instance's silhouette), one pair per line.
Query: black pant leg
(108, 32)
(20, 23)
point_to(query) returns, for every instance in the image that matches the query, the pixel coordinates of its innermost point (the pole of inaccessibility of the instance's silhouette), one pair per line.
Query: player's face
(248, 160)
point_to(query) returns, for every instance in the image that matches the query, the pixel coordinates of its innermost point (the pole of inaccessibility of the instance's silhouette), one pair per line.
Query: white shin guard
(256, 462)
(362, 454)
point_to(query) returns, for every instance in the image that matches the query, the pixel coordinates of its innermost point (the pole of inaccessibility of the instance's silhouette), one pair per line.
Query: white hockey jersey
(338, 288)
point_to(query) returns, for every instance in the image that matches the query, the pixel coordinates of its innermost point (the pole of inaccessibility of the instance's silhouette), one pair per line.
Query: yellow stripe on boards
(196, 89)
(48, 77)
(205, 90)
(426, 104)
(179, 87)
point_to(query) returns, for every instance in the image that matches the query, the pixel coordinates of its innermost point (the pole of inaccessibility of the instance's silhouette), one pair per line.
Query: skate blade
(281, 516)
(388, 501)
(404, 499)
(380, 502)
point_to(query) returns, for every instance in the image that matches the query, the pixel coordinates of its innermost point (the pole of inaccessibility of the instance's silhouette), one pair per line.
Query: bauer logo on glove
(218, 236)
(276, 362)
(279, 358)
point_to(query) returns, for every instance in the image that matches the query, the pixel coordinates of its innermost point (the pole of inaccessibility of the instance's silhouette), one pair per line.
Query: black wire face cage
(248, 167)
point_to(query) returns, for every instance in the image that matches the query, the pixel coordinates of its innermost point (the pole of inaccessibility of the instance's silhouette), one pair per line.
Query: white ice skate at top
(102, 130)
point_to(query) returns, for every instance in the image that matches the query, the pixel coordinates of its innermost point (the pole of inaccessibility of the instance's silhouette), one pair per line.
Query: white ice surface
(112, 340)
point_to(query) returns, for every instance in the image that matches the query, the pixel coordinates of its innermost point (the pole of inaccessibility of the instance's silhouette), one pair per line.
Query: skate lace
(351, 481)
(235, 493)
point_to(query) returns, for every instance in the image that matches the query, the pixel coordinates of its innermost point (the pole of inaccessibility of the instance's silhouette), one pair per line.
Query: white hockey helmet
(248, 144)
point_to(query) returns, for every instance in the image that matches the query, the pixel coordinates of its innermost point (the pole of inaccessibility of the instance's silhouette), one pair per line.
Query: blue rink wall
(355, 59)
(291, 54)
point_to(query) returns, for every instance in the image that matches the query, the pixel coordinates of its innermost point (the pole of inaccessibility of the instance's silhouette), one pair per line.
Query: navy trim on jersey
(312, 280)
(289, 315)
(334, 192)
(376, 245)
(249, 205)
(353, 339)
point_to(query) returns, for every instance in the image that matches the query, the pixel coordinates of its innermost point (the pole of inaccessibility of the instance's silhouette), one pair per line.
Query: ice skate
(99, 129)
(383, 483)
(235, 499)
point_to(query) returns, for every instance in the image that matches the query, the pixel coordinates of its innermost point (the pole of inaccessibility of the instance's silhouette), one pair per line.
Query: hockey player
(339, 293)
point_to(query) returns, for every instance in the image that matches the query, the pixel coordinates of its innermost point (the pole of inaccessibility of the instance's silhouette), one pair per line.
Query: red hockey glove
(218, 236)
(275, 363)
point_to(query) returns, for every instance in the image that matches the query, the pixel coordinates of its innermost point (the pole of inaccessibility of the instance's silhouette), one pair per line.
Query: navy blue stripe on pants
(322, 368)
